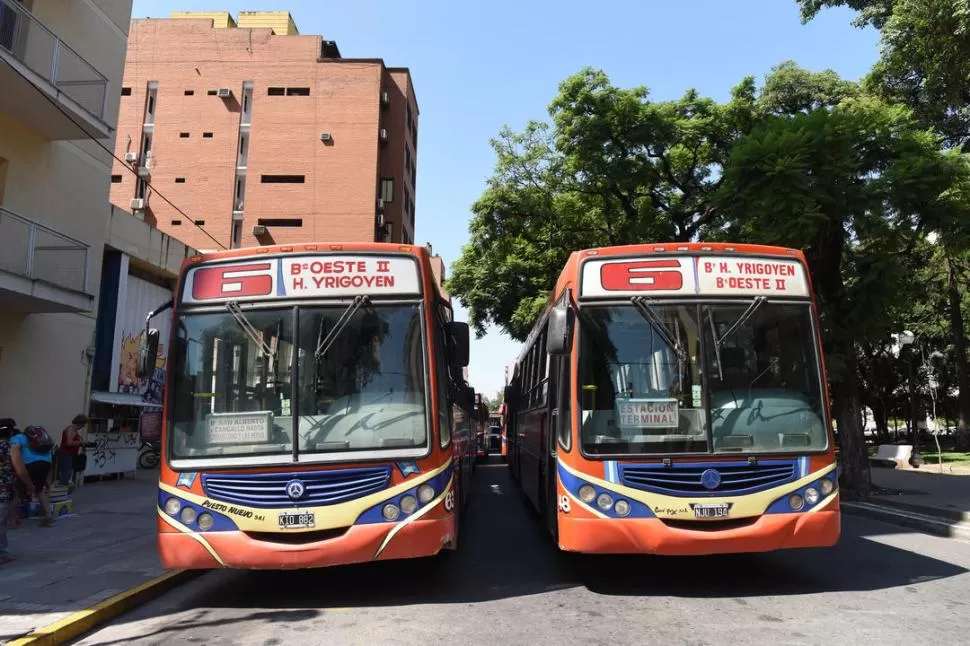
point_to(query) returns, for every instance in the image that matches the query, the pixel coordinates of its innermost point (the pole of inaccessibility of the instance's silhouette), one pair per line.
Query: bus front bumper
(769, 532)
(358, 544)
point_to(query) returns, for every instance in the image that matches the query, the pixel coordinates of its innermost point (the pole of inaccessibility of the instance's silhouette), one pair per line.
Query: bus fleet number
(234, 280)
(643, 275)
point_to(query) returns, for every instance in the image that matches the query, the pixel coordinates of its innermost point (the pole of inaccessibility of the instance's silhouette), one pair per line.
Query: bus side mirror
(149, 354)
(559, 330)
(460, 338)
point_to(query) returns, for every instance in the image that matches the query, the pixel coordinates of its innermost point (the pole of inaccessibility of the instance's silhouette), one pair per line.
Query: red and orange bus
(314, 409)
(672, 400)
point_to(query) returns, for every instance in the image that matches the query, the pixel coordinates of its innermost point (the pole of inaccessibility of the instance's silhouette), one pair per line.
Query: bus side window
(442, 381)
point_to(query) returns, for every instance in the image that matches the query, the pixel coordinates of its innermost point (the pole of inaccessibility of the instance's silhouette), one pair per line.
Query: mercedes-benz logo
(295, 489)
(711, 479)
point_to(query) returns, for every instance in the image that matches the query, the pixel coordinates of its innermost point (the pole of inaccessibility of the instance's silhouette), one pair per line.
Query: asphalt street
(508, 585)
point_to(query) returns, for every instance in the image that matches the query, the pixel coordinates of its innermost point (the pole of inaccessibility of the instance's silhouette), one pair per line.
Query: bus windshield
(233, 377)
(638, 397)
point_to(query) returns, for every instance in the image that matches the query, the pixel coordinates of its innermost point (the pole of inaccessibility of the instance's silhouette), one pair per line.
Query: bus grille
(319, 487)
(688, 479)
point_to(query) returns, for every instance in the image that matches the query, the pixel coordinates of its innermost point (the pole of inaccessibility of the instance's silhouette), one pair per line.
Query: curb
(939, 526)
(83, 621)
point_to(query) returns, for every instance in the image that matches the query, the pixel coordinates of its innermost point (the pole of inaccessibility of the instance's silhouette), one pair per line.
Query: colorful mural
(128, 382)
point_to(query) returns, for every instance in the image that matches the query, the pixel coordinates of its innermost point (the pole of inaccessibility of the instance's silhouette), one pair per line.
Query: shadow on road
(504, 553)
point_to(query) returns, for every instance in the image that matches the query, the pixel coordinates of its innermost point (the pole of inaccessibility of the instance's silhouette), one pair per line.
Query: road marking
(78, 623)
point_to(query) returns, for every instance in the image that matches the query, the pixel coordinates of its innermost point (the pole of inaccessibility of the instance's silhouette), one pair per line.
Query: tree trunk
(960, 348)
(854, 457)
(879, 416)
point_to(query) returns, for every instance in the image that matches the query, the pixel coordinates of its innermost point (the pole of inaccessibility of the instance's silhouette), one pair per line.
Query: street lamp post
(907, 338)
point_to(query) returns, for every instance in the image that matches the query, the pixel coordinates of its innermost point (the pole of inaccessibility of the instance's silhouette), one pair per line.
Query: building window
(236, 234)
(282, 179)
(126, 91)
(212, 92)
(207, 135)
(387, 190)
(297, 91)
(280, 222)
(189, 92)
(276, 91)
(183, 135)
(176, 223)
(247, 103)
(150, 102)
(407, 200)
(179, 180)
(116, 179)
(200, 223)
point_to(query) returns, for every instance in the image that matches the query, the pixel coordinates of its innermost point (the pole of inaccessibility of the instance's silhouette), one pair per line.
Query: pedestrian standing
(30, 453)
(70, 448)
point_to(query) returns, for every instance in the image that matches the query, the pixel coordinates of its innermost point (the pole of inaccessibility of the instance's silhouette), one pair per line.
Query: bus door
(558, 426)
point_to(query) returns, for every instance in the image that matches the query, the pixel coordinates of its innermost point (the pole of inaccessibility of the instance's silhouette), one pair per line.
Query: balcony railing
(30, 249)
(30, 41)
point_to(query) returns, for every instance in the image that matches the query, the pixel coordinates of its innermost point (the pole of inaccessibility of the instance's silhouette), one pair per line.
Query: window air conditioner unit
(138, 204)
(143, 171)
(380, 220)
(385, 98)
(326, 136)
(224, 93)
(259, 230)
(384, 134)
(380, 204)
(131, 157)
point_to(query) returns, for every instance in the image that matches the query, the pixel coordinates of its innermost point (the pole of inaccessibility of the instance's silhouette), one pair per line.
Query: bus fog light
(409, 504)
(587, 494)
(425, 493)
(811, 495)
(188, 515)
(172, 506)
(795, 501)
(206, 522)
(827, 486)
(605, 501)
(390, 511)
(622, 508)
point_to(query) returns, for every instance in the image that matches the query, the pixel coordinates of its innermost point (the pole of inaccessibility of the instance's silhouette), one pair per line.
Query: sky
(477, 66)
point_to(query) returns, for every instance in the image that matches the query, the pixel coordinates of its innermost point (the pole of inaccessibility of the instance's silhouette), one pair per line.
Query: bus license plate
(711, 510)
(298, 520)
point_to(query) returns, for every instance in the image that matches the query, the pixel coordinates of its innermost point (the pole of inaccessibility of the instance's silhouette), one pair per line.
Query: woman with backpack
(30, 453)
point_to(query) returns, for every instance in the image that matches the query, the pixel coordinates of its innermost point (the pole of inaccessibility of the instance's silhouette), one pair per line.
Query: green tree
(923, 64)
(854, 186)
(613, 168)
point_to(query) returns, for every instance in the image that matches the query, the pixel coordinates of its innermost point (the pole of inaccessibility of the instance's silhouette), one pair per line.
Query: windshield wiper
(717, 351)
(247, 327)
(748, 313)
(643, 305)
(323, 345)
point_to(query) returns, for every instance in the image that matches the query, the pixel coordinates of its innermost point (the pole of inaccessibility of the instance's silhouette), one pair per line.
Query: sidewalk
(922, 498)
(107, 546)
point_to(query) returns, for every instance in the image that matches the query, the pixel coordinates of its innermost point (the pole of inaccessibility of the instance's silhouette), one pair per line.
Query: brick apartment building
(260, 135)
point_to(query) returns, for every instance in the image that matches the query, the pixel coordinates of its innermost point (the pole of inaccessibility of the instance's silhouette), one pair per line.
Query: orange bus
(672, 400)
(311, 409)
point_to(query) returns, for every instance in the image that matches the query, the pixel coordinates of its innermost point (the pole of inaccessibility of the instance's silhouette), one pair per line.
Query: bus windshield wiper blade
(748, 313)
(714, 342)
(247, 327)
(643, 305)
(324, 343)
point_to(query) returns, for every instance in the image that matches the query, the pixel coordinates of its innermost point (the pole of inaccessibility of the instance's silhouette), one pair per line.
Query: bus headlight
(827, 486)
(409, 504)
(206, 522)
(795, 501)
(172, 506)
(188, 515)
(605, 501)
(587, 494)
(811, 495)
(425, 494)
(390, 512)
(622, 508)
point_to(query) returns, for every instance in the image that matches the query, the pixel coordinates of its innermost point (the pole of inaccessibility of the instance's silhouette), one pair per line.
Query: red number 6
(220, 282)
(639, 276)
